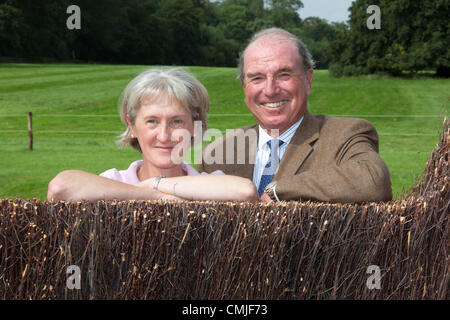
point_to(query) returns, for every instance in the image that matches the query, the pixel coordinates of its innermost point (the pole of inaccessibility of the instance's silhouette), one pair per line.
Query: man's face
(275, 85)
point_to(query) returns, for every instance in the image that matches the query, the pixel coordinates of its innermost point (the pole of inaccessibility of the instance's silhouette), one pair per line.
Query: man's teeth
(273, 104)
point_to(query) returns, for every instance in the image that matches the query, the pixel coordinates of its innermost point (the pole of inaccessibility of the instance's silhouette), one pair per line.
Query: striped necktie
(271, 166)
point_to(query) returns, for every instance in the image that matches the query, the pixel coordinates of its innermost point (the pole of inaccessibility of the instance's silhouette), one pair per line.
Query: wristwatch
(270, 190)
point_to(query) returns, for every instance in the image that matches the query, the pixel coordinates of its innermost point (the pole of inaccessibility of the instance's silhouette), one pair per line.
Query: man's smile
(273, 105)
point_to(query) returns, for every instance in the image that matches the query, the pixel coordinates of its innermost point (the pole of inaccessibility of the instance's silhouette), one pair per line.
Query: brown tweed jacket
(328, 159)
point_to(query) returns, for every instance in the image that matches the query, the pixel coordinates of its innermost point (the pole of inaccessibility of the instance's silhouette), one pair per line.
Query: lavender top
(130, 175)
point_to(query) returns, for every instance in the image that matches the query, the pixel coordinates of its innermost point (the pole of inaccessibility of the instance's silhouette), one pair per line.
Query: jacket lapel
(246, 169)
(300, 146)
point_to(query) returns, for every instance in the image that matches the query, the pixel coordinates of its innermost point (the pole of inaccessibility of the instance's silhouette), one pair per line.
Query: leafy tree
(317, 34)
(413, 37)
(11, 25)
(181, 32)
(181, 20)
(284, 13)
(143, 33)
(101, 24)
(33, 29)
(233, 22)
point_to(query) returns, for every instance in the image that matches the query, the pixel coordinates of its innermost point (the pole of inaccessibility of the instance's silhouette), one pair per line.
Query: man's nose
(270, 86)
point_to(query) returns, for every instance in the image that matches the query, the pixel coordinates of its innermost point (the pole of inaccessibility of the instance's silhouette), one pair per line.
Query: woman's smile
(164, 149)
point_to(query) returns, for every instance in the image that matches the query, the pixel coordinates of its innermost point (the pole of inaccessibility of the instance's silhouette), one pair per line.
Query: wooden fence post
(30, 131)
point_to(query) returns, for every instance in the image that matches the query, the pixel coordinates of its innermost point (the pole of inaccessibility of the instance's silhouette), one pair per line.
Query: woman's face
(161, 126)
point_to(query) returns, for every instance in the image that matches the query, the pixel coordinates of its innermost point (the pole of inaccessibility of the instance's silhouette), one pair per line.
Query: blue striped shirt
(263, 151)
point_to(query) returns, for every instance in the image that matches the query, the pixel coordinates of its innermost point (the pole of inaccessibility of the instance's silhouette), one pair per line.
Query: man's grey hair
(178, 84)
(305, 55)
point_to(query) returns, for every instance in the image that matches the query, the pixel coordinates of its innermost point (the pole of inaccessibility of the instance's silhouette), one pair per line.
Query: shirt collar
(285, 137)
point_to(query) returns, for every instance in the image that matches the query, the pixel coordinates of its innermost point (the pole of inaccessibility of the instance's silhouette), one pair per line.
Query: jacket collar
(300, 146)
(296, 153)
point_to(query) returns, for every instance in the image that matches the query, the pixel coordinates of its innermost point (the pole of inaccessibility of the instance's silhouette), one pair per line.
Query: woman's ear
(130, 126)
(196, 115)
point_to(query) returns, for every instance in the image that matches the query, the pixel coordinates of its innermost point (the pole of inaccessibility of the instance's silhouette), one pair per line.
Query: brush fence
(231, 250)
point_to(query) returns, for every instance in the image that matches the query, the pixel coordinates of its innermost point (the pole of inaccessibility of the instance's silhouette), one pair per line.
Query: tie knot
(274, 143)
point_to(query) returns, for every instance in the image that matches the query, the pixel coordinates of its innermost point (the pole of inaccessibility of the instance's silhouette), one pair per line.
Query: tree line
(413, 35)
(163, 32)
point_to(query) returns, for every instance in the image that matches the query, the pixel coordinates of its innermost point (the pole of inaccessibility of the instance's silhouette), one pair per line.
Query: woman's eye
(177, 122)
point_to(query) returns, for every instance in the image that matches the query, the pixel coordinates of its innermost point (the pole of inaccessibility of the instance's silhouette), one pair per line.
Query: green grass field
(75, 119)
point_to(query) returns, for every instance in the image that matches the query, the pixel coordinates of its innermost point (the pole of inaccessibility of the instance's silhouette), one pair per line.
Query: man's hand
(265, 197)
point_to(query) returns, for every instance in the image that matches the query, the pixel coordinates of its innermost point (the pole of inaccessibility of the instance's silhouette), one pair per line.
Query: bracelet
(174, 188)
(156, 181)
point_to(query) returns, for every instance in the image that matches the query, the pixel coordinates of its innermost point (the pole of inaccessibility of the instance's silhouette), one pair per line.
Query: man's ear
(309, 79)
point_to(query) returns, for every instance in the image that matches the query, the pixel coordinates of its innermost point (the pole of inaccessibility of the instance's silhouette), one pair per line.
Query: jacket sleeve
(354, 171)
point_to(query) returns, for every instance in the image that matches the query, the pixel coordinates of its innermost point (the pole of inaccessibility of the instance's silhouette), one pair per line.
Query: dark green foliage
(157, 32)
(318, 34)
(413, 36)
(337, 70)
(28, 27)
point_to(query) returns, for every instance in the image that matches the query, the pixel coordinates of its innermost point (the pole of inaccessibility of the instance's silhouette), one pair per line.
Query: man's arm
(356, 172)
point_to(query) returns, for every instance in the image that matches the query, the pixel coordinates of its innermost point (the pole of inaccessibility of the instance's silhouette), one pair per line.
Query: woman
(158, 108)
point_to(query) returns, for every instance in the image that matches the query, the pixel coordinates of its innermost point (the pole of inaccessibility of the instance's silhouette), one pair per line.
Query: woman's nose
(164, 133)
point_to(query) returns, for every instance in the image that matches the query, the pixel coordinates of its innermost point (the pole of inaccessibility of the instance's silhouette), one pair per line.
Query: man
(322, 158)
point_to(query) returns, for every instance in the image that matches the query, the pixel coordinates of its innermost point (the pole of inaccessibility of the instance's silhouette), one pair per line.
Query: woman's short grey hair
(177, 83)
(303, 52)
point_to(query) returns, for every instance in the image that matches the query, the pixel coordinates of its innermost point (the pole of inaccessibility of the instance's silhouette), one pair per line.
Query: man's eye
(256, 79)
(284, 76)
(151, 121)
